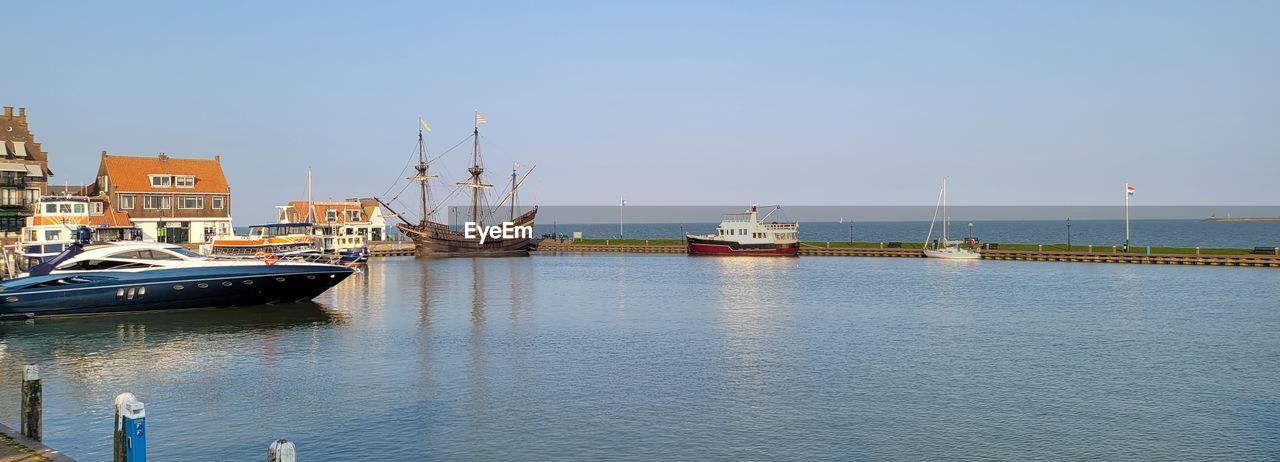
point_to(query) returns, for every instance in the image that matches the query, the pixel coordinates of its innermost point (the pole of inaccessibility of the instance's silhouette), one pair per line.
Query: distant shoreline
(1241, 219)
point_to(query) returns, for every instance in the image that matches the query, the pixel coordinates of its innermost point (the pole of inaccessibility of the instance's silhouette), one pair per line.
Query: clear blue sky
(840, 103)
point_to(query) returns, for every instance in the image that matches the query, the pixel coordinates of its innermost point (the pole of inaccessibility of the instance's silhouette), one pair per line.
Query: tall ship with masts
(431, 238)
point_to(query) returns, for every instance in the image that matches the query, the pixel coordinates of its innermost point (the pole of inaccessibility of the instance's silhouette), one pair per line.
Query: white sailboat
(946, 249)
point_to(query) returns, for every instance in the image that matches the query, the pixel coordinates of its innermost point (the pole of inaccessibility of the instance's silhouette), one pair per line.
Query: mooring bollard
(1041, 248)
(1090, 248)
(282, 450)
(130, 429)
(882, 245)
(1113, 249)
(1197, 251)
(32, 405)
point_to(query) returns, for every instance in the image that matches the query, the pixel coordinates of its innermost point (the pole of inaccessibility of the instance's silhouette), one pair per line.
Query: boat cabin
(54, 220)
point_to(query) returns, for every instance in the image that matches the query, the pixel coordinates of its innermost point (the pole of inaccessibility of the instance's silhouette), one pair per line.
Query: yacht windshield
(184, 252)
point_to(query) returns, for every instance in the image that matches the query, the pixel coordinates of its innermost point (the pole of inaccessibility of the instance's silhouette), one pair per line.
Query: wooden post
(282, 450)
(32, 403)
(130, 438)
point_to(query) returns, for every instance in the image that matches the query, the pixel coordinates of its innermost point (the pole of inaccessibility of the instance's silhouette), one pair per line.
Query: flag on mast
(424, 124)
(1129, 188)
(480, 120)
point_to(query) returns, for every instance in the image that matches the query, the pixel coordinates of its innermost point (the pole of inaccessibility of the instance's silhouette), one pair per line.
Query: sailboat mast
(945, 218)
(310, 205)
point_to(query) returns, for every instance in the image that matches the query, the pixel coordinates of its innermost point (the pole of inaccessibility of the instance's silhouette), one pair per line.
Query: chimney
(8, 111)
(164, 157)
(104, 153)
(22, 113)
(217, 158)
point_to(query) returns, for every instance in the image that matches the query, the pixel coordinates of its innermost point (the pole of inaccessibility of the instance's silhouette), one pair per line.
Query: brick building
(24, 171)
(169, 199)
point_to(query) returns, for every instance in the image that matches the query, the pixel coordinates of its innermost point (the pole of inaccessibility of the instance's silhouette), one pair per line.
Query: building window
(11, 197)
(185, 181)
(52, 234)
(156, 202)
(191, 202)
(331, 216)
(218, 202)
(13, 178)
(161, 181)
(33, 196)
(353, 215)
(95, 208)
(126, 201)
(79, 209)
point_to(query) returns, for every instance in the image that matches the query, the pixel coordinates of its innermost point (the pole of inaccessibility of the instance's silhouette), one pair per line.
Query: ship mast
(475, 170)
(513, 190)
(422, 177)
(476, 183)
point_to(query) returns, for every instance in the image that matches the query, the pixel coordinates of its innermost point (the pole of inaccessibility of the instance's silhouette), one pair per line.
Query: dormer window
(331, 216)
(95, 208)
(353, 215)
(161, 181)
(185, 181)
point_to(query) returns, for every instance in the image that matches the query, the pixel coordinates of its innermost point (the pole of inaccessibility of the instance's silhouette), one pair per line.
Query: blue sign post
(131, 429)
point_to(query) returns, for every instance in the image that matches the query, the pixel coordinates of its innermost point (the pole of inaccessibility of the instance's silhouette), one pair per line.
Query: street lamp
(1068, 234)
(850, 233)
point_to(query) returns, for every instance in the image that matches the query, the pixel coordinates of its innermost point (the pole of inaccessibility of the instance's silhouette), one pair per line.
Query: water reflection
(755, 297)
(100, 349)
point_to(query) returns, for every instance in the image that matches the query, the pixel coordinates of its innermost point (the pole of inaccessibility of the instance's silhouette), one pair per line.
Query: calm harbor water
(643, 357)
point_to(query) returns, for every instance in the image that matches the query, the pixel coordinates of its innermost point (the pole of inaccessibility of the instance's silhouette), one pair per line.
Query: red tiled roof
(111, 218)
(128, 173)
(297, 211)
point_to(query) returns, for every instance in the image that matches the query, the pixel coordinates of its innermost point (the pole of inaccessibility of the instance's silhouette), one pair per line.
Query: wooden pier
(1265, 261)
(1268, 261)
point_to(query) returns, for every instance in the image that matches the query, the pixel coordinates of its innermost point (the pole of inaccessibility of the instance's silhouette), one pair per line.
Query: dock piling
(32, 403)
(282, 450)
(130, 429)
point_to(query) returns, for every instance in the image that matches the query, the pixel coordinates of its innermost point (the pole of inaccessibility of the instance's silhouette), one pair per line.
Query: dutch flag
(1130, 188)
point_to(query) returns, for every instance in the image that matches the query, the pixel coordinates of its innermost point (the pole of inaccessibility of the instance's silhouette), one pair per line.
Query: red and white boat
(745, 234)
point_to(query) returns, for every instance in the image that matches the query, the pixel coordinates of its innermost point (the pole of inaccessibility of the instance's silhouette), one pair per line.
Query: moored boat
(746, 234)
(91, 278)
(54, 220)
(431, 238)
(944, 248)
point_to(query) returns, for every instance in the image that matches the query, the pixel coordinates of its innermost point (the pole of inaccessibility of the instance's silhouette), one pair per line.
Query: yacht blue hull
(165, 289)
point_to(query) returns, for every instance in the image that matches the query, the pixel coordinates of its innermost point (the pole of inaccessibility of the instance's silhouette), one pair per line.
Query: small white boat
(946, 249)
